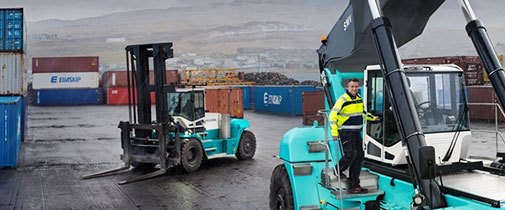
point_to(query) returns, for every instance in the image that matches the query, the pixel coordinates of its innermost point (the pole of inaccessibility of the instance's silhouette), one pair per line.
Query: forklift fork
(107, 172)
(125, 169)
(145, 176)
(126, 127)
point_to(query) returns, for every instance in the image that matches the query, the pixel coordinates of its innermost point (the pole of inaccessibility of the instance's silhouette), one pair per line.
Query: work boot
(358, 190)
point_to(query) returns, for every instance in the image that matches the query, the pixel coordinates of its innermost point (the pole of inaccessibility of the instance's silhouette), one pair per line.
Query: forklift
(182, 134)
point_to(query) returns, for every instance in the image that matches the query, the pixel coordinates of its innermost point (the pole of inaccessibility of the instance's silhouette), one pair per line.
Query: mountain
(223, 26)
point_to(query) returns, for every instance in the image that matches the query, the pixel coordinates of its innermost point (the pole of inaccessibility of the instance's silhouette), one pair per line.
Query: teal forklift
(416, 157)
(182, 134)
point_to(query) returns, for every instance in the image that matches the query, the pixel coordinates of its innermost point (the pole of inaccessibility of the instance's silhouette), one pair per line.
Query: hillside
(222, 26)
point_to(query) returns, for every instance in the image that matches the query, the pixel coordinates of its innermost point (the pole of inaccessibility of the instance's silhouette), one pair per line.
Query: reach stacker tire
(281, 195)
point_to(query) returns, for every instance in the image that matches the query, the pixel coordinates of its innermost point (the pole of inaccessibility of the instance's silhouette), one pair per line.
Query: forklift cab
(188, 104)
(440, 99)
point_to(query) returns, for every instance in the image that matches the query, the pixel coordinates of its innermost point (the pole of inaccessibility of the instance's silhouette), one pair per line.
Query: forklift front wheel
(281, 195)
(191, 155)
(246, 146)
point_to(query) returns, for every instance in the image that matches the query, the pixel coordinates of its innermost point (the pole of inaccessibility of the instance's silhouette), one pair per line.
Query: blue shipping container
(12, 37)
(286, 100)
(24, 116)
(248, 96)
(60, 97)
(10, 130)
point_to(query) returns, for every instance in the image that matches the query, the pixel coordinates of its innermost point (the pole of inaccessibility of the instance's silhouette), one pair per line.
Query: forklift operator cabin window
(439, 99)
(181, 104)
(173, 102)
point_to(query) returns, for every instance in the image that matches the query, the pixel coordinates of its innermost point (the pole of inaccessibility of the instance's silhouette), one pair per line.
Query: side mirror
(427, 162)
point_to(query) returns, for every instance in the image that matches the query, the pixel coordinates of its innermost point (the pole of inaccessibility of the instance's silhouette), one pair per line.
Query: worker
(346, 121)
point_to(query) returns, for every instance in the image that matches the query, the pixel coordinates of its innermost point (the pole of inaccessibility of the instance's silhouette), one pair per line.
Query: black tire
(191, 155)
(281, 195)
(247, 146)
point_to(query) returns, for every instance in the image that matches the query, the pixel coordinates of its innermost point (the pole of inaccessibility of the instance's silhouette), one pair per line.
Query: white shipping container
(65, 80)
(12, 74)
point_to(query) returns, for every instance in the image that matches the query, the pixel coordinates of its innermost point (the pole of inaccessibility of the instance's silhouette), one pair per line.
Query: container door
(14, 33)
(2, 29)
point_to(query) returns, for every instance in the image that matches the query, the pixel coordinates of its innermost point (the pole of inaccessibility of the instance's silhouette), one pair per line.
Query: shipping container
(12, 74)
(308, 119)
(65, 80)
(61, 97)
(225, 101)
(24, 116)
(12, 30)
(479, 95)
(248, 93)
(119, 96)
(312, 102)
(285, 100)
(120, 79)
(65, 64)
(10, 130)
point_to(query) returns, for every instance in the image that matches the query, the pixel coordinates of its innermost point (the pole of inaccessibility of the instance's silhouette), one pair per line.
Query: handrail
(490, 104)
(336, 169)
(497, 132)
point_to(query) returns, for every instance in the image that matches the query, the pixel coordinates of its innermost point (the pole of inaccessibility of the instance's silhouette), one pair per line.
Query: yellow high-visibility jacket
(347, 114)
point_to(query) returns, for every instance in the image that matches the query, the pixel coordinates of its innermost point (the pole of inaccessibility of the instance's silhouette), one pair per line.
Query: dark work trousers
(352, 143)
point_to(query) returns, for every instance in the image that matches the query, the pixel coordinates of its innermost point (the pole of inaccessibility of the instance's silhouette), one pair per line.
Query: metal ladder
(336, 170)
(332, 180)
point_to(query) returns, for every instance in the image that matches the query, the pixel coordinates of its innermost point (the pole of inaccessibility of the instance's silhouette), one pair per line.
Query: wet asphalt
(64, 143)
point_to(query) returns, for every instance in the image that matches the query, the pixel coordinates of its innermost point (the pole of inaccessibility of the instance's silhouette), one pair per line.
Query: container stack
(471, 65)
(283, 100)
(12, 84)
(115, 84)
(312, 102)
(60, 81)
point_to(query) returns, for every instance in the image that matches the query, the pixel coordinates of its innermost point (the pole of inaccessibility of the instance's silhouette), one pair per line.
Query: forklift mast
(139, 60)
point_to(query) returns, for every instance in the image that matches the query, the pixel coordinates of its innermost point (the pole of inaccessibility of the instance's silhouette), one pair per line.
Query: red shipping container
(225, 101)
(65, 64)
(119, 96)
(312, 102)
(483, 94)
(212, 100)
(120, 78)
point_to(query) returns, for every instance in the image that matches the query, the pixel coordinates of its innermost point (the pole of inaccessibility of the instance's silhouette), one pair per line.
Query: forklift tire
(191, 155)
(246, 146)
(281, 195)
